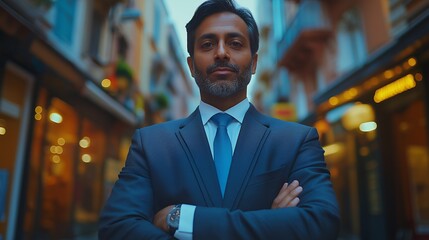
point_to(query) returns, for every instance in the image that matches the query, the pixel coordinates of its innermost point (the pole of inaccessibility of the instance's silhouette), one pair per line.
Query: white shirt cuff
(186, 222)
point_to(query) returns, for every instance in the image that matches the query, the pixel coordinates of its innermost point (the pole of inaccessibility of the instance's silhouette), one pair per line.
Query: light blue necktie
(222, 148)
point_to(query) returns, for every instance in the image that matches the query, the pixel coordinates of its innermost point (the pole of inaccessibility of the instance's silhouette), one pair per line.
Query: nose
(222, 51)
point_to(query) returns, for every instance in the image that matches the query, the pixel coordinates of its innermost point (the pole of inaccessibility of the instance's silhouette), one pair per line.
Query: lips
(223, 70)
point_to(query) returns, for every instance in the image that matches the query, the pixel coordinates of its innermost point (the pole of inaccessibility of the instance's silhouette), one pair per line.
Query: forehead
(222, 23)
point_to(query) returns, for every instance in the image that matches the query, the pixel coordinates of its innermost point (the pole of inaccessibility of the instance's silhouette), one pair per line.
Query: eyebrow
(214, 36)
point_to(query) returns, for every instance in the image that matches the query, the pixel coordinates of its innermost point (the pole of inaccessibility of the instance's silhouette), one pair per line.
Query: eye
(207, 45)
(236, 44)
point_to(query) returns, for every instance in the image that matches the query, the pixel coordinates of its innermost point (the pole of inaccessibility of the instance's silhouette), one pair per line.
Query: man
(180, 179)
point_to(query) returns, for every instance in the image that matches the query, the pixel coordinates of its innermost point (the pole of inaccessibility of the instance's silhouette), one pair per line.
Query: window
(96, 27)
(351, 42)
(64, 20)
(157, 25)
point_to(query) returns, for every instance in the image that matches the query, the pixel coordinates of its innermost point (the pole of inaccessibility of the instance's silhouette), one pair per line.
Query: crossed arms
(130, 212)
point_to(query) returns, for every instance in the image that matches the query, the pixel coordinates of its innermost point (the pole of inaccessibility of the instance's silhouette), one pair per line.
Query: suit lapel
(252, 136)
(199, 155)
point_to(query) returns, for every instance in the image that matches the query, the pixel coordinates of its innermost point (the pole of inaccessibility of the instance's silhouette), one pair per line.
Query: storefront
(63, 140)
(72, 147)
(16, 87)
(60, 155)
(374, 128)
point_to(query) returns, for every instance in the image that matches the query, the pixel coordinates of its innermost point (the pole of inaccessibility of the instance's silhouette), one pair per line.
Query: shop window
(411, 157)
(58, 167)
(89, 185)
(15, 99)
(66, 180)
(33, 186)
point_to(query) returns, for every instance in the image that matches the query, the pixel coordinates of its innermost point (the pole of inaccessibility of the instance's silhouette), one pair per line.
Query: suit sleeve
(128, 213)
(316, 217)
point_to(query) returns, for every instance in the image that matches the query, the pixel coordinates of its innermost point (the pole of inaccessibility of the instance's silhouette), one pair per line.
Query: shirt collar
(238, 111)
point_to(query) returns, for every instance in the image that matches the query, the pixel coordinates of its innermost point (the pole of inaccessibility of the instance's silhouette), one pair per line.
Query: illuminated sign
(284, 111)
(392, 89)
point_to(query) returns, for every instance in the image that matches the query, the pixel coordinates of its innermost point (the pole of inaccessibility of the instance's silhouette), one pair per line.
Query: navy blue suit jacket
(171, 163)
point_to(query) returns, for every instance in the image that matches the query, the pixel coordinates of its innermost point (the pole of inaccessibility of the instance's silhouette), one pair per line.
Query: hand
(160, 219)
(288, 195)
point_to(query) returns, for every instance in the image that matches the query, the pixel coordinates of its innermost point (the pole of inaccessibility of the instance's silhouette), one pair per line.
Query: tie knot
(222, 119)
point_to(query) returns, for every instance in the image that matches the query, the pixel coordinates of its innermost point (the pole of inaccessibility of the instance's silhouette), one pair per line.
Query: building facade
(75, 80)
(357, 71)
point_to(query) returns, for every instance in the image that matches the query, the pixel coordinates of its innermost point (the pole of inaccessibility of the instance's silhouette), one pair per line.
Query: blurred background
(77, 77)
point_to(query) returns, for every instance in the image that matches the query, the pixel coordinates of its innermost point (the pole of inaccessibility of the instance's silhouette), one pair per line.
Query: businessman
(226, 171)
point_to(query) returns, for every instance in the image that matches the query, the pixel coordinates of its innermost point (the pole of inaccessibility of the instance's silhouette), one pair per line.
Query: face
(222, 64)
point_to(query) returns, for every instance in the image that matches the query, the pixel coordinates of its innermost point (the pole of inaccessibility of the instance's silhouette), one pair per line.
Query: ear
(254, 63)
(191, 65)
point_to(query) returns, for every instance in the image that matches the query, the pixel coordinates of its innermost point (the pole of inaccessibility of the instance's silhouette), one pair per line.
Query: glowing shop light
(52, 149)
(38, 109)
(61, 141)
(85, 142)
(356, 115)
(106, 83)
(412, 62)
(2, 127)
(56, 117)
(388, 74)
(332, 149)
(2, 130)
(86, 158)
(392, 89)
(368, 126)
(38, 116)
(333, 101)
(56, 159)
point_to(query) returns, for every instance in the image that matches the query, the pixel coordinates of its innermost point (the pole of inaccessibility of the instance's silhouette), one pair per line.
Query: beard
(223, 87)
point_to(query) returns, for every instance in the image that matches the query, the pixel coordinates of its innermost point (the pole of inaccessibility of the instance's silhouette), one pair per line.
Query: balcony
(305, 38)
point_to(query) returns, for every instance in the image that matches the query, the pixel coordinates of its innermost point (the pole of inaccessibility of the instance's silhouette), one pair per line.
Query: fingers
(288, 195)
(160, 217)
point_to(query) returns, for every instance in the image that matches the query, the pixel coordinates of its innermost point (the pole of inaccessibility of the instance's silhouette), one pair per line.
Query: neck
(223, 103)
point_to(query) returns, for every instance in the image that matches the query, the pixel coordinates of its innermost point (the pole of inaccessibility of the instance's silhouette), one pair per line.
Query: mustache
(212, 68)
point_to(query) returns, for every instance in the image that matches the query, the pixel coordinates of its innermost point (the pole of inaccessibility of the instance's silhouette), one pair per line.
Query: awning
(414, 38)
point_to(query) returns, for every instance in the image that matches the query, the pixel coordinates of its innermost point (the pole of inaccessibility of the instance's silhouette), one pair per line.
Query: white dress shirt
(185, 230)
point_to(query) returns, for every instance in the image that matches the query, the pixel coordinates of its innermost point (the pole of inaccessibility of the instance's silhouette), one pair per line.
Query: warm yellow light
(2, 130)
(399, 86)
(398, 70)
(38, 109)
(357, 114)
(58, 149)
(351, 93)
(56, 159)
(56, 117)
(412, 62)
(333, 101)
(61, 141)
(388, 74)
(106, 83)
(38, 116)
(418, 77)
(86, 158)
(85, 142)
(368, 126)
(52, 149)
(332, 149)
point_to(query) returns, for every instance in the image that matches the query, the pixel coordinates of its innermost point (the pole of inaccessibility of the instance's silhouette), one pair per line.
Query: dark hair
(211, 7)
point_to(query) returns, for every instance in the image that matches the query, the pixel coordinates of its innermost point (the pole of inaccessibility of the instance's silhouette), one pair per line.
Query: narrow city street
(78, 77)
